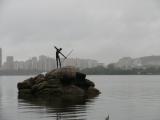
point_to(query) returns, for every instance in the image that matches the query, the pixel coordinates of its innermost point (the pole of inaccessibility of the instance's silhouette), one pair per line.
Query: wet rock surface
(58, 83)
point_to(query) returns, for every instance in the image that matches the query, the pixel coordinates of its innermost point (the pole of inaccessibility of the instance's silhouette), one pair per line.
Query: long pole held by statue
(67, 55)
(58, 51)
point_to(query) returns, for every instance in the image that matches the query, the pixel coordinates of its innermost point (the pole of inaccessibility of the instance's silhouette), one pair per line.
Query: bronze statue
(58, 60)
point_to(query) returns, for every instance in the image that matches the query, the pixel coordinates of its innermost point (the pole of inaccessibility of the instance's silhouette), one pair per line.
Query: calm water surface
(123, 98)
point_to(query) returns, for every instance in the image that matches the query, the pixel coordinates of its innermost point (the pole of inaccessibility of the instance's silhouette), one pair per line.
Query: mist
(105, 30)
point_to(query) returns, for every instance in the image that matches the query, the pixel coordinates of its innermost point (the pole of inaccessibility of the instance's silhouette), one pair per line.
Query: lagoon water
(123, 98)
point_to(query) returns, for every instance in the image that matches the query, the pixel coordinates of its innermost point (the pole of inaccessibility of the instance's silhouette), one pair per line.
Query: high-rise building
(0, 57)
(34, 63)
(10, 63)
(42, 65)
(19, 65)
(46, 63)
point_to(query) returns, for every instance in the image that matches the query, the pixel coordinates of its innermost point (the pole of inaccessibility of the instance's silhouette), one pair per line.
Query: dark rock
(89, 83)
(91, 92)
(39, 78)
(59, 82)
(54, 82)
(66, 73)
(26, 84)
(37, 81)
(40, 86)
(54, 91)
(25, 91)
(85, 84)
(80, 76)
(73, 90)
(51, 75)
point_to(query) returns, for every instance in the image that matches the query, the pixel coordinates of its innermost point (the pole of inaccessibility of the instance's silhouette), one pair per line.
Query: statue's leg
(59, 62)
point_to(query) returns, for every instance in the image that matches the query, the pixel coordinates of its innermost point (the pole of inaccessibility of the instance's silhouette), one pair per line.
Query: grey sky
(105, 30)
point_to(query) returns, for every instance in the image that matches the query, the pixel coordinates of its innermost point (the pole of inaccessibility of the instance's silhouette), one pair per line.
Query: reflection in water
(59, 108)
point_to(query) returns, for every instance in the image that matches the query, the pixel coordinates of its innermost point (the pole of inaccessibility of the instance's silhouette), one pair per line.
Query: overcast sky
(105, 30)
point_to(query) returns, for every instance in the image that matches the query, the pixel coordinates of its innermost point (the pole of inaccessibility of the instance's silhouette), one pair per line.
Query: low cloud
(105, 30)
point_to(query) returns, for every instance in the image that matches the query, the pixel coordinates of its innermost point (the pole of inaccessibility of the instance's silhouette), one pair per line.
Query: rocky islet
(66, 81)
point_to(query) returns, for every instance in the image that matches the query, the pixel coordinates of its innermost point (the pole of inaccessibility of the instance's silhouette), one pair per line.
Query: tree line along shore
(99, 70)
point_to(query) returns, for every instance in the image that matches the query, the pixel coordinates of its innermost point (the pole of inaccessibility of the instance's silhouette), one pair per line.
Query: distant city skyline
(45, 63)
(3, 57)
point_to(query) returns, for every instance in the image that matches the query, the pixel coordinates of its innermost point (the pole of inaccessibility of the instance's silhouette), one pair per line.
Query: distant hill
(150, 60)
(148, 65)
(142, 62)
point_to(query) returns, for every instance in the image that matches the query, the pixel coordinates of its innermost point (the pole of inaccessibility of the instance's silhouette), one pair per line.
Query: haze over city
(43, 63)
(105, 30)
